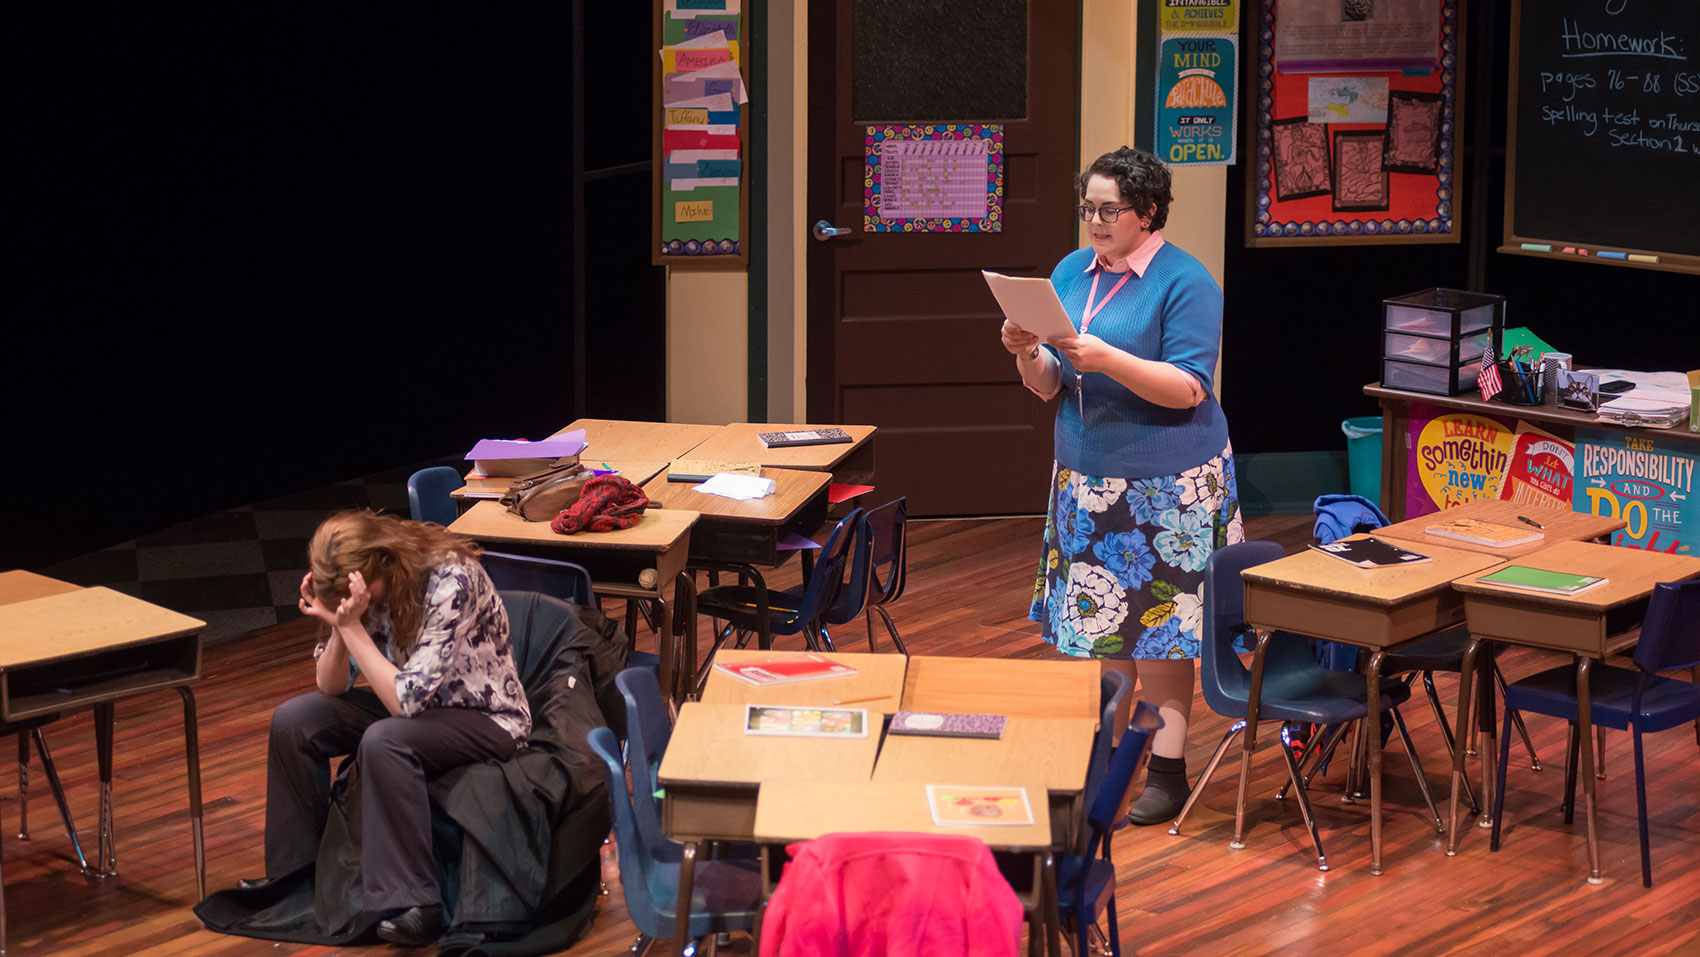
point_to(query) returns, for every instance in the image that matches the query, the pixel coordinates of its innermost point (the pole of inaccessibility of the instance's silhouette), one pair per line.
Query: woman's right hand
(1017, 340)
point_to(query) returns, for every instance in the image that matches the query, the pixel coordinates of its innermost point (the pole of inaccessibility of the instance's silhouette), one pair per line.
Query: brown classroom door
(902, 331)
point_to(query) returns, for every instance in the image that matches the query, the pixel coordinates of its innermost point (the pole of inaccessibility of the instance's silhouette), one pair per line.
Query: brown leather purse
(541, 496)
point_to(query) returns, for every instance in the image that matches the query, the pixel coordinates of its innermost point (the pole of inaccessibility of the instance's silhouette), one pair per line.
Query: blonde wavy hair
(383, 548)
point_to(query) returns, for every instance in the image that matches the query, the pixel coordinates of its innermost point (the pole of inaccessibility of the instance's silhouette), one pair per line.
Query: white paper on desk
(741, 487)
(1031, 304)
(1654, 392)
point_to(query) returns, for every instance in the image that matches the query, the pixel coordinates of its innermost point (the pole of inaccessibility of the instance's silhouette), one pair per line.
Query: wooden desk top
(1009, 686)
(1313, 572)
(1051, 751)
(875, 675)
(1630, 575)
(610, 439)
(709, 748)
(1559, 525)
(800, 810)
(82, 621)
(793, 489)
(738, 443)
(636, 472)
(657, 531)
(23, 586)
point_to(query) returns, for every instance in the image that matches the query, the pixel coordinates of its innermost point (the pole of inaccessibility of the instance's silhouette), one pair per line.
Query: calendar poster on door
(939, 178)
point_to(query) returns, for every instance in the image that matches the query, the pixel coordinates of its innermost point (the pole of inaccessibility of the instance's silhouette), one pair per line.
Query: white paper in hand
(1031, 303)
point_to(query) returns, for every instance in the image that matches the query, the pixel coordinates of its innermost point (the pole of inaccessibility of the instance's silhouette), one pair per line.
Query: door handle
(824, 230)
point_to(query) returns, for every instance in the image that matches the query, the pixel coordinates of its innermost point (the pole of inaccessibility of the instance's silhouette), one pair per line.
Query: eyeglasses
(1107, 214)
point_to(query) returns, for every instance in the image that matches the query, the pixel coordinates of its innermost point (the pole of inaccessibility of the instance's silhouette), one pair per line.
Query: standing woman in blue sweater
(1143, 486)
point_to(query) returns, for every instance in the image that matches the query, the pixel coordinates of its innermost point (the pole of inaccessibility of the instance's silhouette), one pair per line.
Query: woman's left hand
(1086, 352)
(347, 612)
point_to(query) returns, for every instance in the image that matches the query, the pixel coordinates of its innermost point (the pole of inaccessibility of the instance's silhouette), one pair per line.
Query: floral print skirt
(1122, 574)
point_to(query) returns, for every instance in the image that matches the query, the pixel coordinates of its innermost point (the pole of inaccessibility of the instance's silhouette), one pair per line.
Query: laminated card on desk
(701, 470)
(1541, 580)
(1370, 553)
(947, 725)
(782, 669)
(1032, 304)
(1491, 534)
(798, 437)
(794, 722)
(955, 806)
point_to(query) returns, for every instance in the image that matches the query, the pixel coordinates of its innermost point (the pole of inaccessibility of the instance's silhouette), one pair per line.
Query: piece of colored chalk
(1639, 258)
(1570, 249)
(1538, 247)
(1608, 254)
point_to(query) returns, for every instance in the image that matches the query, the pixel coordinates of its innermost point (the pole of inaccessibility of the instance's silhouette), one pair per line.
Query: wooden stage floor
(969, 583)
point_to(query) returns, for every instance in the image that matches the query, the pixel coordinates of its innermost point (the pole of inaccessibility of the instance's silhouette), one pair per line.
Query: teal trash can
(1363, 456)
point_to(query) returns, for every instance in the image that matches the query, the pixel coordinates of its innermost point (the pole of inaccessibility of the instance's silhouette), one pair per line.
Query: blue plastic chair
(648, 729)
(724, 895)
(881, 568)
(428, 495)
(1296, 687)
(564, 580)
(767, 612)
(1086, 885)
(1113, 686)
(1638, 700)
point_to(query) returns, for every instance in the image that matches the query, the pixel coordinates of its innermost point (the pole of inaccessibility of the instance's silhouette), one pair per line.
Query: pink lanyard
(1086, 320)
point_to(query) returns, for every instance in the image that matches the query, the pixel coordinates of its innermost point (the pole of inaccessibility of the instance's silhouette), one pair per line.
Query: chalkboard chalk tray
(1603, 147)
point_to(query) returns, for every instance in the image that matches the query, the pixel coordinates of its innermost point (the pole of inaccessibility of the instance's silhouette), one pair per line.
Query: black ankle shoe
(414, 927)
(1165, 792)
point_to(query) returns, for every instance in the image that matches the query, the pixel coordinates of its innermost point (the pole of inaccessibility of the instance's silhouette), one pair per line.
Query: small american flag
(1488, 379)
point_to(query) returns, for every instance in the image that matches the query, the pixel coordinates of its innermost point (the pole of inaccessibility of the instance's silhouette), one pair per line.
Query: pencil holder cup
(1522, 386)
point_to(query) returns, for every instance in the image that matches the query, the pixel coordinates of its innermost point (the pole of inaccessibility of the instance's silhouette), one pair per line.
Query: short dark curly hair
(1142, 179)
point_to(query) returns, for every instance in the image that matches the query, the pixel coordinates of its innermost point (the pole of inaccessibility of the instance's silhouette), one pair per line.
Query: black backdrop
(268, 247)
(1302, 327)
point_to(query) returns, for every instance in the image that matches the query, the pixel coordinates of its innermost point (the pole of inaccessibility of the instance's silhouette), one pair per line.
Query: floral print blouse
(463, 657)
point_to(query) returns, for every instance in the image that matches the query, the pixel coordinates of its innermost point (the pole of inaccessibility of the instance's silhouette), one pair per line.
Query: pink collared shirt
(1139, 260)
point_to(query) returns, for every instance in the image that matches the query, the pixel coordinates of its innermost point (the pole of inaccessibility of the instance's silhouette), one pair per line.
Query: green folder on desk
(1540, 579)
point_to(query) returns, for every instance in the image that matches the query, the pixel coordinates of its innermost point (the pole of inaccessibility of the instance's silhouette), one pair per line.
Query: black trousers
(397, 757)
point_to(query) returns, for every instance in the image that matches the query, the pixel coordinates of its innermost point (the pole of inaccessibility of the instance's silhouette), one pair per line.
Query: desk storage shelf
(1432, 340)
(52, 686)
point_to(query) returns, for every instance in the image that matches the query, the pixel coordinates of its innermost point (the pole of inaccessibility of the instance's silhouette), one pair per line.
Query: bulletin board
(1355, 132)
(701, 115)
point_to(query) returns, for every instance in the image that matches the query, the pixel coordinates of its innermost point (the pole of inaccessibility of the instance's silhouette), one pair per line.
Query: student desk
(610, 439)
(1558, 525)
(636, 562)
(64, 648)
(1009, 686)
(1587, 624)
(875, 675)
(747, 531)
(633, 471)
(1378, 609)
(851, 462)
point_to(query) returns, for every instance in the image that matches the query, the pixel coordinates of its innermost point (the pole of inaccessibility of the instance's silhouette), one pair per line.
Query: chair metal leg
(1641, 810)
(1439, 712)
(52, 772)
(1516, 717)
(23, 787)
(641, 945)
(1330, 742)
(1209, 769)
(1254, 700)
(192, 749)
(1417, 767)
(1313, 755)
(1499, 788)
(1570, 765)
(890, 627)
(1299, 792)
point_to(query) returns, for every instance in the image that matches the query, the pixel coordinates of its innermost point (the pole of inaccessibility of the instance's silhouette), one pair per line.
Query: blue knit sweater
(1173, 314)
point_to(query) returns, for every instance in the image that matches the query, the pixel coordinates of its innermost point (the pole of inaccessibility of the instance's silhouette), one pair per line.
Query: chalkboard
(1603, 149)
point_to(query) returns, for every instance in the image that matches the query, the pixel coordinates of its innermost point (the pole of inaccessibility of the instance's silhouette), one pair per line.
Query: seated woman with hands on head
(409, 606)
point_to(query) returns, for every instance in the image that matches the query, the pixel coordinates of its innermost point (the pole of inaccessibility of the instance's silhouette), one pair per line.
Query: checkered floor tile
(236, 570)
